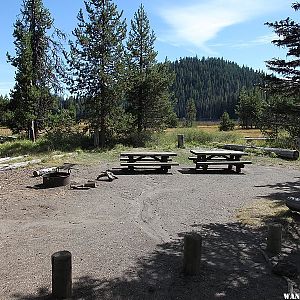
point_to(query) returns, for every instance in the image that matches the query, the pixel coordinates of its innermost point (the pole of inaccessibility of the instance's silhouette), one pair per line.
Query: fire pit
(56, 179)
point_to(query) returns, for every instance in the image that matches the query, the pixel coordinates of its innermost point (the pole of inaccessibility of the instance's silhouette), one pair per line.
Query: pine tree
(148, 98)
(288, 82)
(190, 112)
(250, 107)
(282, 107)
(38, 65)
(4, 103)
(226, 124)
(96, 62)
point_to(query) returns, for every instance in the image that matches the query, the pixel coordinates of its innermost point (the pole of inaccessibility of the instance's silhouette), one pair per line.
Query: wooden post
(61, 275)
(192, 254)
(274, 238)
(180, 140)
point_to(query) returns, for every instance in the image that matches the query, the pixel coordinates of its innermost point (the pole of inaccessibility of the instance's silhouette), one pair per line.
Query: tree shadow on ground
(191, 171)
(140, 171)
(233, 267)
(283, 190)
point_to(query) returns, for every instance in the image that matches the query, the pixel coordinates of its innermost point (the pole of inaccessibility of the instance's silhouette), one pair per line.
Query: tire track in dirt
(149, 218)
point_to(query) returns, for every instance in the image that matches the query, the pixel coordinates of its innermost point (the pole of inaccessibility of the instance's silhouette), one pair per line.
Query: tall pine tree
(250, 106)
(38, 65)
(148, 93)
(191, 112)
(96, 63)
(283, 91)
(288, 82)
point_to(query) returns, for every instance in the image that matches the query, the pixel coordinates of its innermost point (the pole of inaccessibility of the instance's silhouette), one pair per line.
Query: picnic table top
(217, 152)
(151, 153)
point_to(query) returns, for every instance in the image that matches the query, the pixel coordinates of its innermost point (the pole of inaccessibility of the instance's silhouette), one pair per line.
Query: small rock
(287, 269)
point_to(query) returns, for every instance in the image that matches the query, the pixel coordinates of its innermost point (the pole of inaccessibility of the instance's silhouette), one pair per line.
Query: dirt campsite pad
(126, 235)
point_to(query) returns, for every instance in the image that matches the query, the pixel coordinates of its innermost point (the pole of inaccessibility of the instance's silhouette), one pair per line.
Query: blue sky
(232, 29)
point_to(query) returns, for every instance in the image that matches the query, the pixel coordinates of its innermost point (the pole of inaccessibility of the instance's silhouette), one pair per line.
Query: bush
(226, 124)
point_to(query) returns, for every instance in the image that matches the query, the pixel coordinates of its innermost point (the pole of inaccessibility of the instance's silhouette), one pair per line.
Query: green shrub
(50, 142)
(226, 124)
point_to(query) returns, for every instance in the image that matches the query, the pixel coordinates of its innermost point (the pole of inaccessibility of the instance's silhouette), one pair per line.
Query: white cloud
(259, 41)
(265, 39)
(196, 24)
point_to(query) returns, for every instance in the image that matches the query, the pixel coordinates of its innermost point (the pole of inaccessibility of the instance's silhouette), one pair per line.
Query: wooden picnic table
(163, 160)
(205, 158)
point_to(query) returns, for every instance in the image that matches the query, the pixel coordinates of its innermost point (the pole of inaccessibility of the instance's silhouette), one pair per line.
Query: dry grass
(260, 212)
(5, 131)
(209, 128)
(214, 127)
(249, 132)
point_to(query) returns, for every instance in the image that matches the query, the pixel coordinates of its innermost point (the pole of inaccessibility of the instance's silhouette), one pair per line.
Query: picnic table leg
(238, 168)
(229, 167)
(204, 168)
(131, 160)
(164, 169)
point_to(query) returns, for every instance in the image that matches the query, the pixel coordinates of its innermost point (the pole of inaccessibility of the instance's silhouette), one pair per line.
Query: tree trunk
(102, 139)
(96, 138)
(32, 131)
(102, 132)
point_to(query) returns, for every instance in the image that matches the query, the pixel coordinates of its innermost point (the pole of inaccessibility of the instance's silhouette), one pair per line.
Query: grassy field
(213, 127)
(202, 135)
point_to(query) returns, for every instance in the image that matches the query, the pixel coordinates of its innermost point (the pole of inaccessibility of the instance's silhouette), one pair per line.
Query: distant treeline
(213, 84)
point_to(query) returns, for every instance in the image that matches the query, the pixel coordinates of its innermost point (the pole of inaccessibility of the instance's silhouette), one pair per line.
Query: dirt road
(125, 236)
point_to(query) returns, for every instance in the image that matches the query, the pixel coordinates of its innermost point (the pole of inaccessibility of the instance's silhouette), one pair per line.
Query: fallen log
(85, 186)
(7, 159)
(20, 164)
(110, 175)
(236, 147)
(283, 153)
(44, 171)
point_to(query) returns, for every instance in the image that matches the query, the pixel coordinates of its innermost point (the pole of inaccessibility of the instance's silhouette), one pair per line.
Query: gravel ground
(126, 236)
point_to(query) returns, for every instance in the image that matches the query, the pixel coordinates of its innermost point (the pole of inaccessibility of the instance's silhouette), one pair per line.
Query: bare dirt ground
(126, 236)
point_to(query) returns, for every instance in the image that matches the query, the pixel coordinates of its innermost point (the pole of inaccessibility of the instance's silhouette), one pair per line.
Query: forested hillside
(212, 83)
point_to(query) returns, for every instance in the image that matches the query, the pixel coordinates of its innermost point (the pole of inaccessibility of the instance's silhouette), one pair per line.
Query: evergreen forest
(214, 85)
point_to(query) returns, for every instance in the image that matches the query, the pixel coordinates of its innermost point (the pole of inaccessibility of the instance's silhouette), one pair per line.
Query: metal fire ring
(56, 179)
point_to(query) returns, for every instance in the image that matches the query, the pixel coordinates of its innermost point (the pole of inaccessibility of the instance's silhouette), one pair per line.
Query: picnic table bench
(205, 158)
(163, 160)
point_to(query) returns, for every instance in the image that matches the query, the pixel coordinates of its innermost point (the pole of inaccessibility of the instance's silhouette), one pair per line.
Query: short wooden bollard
(61, 275)
(192, 254)
(274, 238)
(180, 138)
